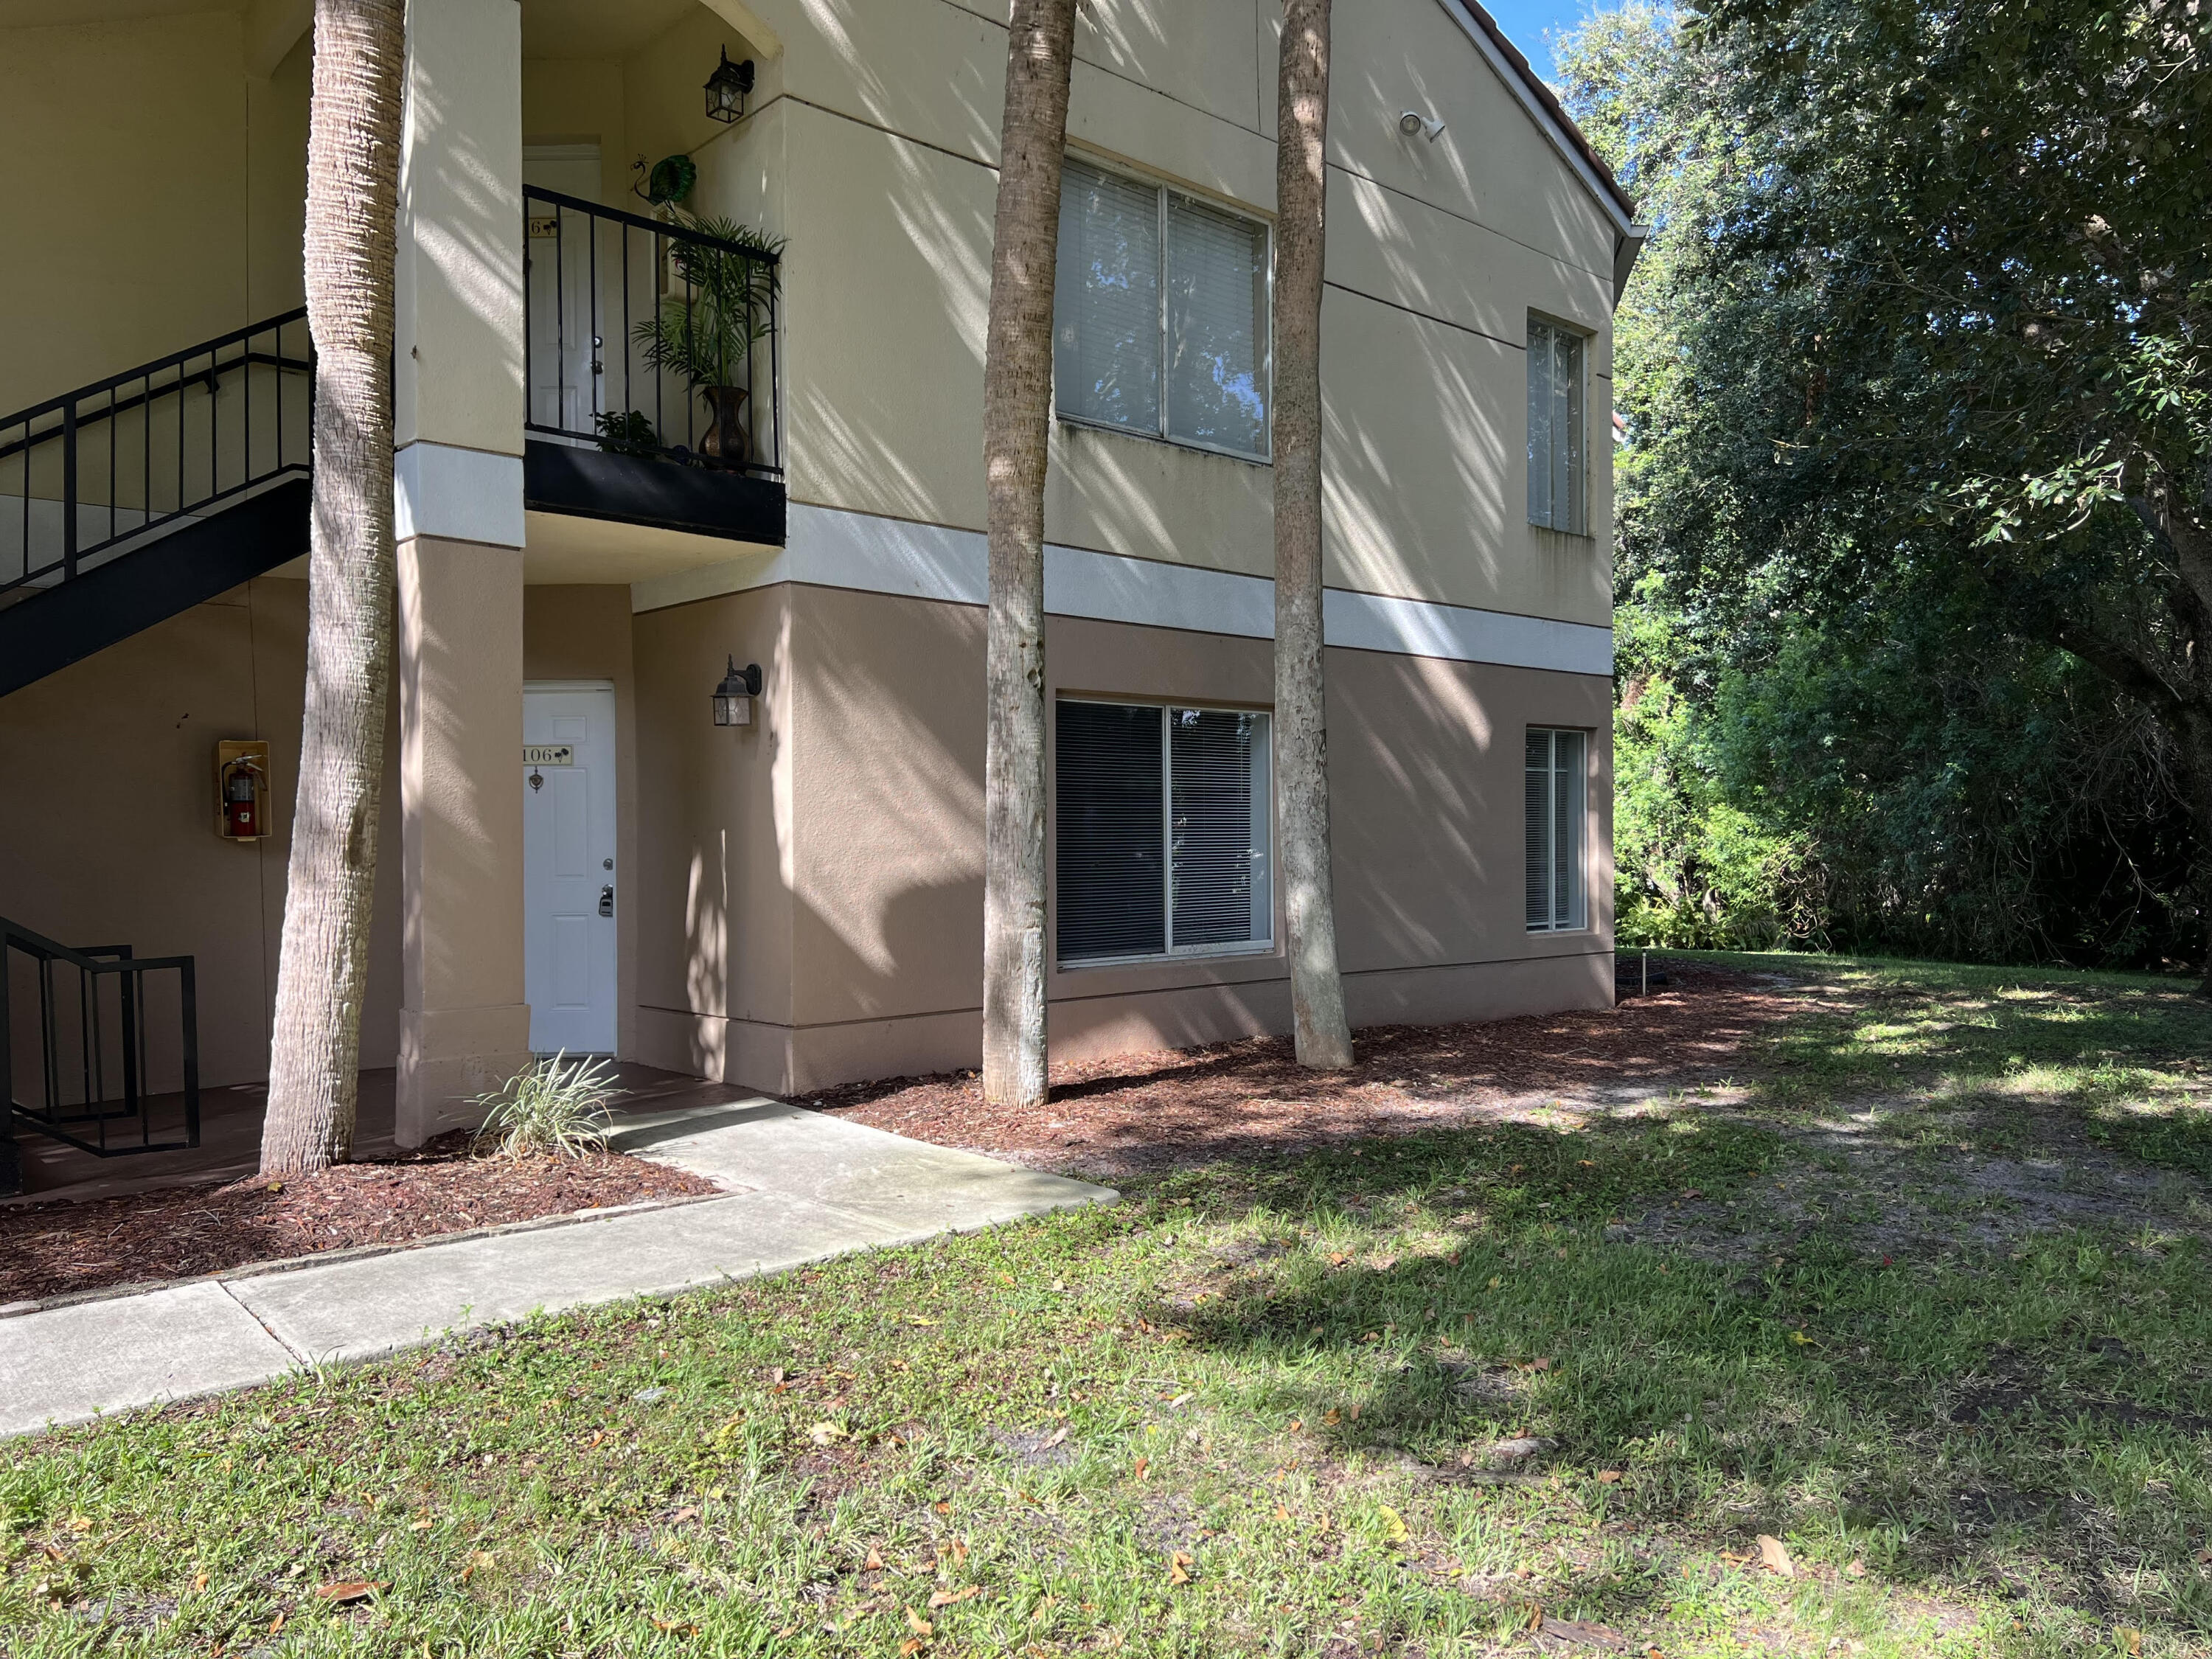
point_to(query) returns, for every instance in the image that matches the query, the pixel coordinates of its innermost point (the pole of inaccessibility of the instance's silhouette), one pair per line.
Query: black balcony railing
(101, 1069)
(95, 472)
(651, 339)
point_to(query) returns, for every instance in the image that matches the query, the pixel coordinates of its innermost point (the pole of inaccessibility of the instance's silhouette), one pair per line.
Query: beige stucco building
(586, 551)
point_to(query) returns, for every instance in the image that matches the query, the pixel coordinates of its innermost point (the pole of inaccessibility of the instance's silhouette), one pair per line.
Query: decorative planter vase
(726, 440)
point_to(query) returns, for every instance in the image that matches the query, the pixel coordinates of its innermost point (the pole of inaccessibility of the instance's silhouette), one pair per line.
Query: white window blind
(1160, 314)
(1555, 831)
(1217, 318)
(1162, 846)
(1106, 345)
(1555, 428)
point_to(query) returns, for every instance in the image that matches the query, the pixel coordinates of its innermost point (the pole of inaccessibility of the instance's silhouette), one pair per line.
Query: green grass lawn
(1920, 1293)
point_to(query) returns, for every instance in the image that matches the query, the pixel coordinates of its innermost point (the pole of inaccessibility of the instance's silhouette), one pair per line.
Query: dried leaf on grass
(1179, 1566)
(1774, 1557)
(341, 1590)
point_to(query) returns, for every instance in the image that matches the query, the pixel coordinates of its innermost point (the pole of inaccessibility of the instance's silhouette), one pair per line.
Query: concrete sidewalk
(800, 1188)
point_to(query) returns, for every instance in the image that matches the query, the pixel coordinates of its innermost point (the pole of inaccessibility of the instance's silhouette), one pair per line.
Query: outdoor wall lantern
(726, 87)
(733, 697)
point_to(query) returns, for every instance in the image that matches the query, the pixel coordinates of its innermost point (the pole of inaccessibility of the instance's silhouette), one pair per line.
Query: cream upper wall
(870, 149)
(150, 197)
(457, 288)
(884, 134)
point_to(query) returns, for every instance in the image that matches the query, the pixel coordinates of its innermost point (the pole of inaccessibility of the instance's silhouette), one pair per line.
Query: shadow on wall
(1415, 885)
(465, 230)
(1443, 432)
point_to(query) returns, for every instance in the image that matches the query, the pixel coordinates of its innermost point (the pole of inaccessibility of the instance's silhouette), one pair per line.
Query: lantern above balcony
(726, 87)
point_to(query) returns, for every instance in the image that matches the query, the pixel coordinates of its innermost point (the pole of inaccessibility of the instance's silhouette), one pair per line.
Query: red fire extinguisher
(241, 802)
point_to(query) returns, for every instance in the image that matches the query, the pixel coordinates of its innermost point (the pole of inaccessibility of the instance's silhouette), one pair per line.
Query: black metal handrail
(592, 277)
(76, 1096)
(105, 467)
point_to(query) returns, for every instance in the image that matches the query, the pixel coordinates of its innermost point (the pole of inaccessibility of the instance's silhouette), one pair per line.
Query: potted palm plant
(705, 333)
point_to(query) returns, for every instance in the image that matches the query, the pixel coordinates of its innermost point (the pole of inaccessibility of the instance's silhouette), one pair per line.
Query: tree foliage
(1917, 385)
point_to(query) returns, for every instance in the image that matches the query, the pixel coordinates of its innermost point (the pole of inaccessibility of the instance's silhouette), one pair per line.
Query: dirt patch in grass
(1861, 1192)
(49, 1250)
(1184, 1108)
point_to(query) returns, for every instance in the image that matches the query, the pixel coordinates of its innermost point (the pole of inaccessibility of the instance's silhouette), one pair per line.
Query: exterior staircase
(129, 500)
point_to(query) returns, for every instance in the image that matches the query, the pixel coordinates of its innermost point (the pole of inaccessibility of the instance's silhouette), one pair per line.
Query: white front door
(568, 875)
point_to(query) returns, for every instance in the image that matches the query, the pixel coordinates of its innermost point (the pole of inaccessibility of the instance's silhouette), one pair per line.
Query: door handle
(606, 901)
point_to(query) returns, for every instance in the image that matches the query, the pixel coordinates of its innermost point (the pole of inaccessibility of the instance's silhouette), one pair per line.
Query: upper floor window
(1555, 429)
(1160, 314)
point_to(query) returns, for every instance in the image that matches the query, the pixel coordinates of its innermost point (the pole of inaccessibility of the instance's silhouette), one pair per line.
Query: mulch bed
(1119, 1117)
(60, 1250)
(1135, 1112)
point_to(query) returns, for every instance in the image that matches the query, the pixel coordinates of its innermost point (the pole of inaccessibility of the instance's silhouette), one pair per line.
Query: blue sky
(1526, 23)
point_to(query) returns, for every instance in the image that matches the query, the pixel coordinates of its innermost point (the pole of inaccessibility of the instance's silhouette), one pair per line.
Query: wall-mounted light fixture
(733, 697)
(726, 87)
(1413, 122)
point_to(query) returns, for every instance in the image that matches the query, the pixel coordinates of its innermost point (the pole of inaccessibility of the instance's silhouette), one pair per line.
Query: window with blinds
(1162, 845)
(1160, 314)
(1555, 429)
(1555, 781)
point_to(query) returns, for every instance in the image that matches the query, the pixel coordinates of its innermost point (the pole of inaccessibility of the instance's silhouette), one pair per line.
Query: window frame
(1578, 907)
(1174, 953)
(1161, 189)
(1580, 471)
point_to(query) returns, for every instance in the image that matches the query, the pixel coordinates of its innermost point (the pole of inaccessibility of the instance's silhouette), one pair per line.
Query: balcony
(651, 358)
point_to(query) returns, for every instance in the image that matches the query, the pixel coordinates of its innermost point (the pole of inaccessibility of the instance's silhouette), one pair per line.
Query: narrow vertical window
(1160, 314)
(1217, 323)
(1218, 763)
(1555, 820)
(1163, 845)
(1555, 428)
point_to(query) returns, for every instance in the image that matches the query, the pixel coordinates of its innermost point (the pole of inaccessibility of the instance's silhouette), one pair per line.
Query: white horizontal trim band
(827, 547)
(463, 494)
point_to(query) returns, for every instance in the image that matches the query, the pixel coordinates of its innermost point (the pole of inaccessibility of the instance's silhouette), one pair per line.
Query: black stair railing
(598, 285)
(97, 471)
(93, 1078)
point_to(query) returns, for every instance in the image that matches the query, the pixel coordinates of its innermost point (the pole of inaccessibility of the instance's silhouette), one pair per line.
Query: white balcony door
(569, 882)
(563, 346)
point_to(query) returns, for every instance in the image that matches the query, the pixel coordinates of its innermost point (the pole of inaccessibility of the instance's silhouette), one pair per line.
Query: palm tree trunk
(1017, 414)
(353, 189)
(1323, 1035)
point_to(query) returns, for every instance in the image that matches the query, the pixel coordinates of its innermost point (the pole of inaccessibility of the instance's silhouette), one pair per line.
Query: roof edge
(1544, 105)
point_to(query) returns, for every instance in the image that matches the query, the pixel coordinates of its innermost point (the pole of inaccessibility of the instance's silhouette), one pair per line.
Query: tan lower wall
(715, 851)
(122, 745)
(874, 865)
(802, 899)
